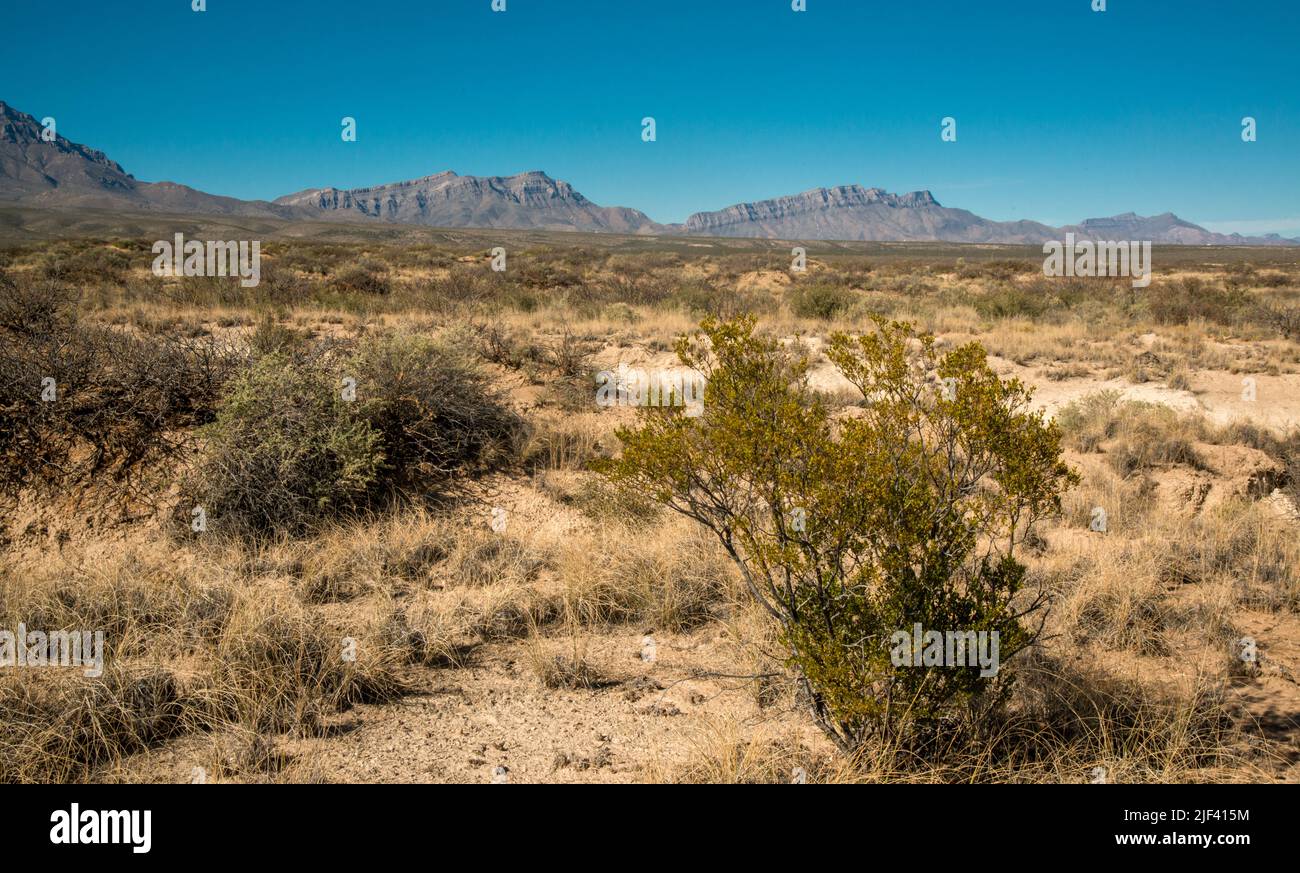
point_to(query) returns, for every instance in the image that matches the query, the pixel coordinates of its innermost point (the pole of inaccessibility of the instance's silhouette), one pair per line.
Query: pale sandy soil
(1218, 396)
(465, 723)
(647, 719)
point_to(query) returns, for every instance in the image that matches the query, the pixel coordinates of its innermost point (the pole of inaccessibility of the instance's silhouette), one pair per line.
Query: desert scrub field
(466, 569)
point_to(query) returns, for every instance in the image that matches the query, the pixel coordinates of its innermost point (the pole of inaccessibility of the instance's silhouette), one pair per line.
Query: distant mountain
(64, 174)
(851, 212)
(1167, 229)
(526, 200)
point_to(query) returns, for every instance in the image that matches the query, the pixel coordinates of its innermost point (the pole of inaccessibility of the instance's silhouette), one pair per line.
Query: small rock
(661, 709)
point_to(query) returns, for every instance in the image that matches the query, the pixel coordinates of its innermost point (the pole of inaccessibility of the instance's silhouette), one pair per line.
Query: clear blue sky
(1062, 113)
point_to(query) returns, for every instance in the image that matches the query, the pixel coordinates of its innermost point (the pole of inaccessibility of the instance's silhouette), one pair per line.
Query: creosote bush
(846, 531)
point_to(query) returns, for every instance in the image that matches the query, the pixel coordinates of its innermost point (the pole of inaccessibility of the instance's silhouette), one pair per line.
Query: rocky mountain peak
(23, 131)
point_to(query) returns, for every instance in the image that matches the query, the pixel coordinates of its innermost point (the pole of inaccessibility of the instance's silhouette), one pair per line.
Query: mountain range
(62, 173)
(528, 200)
(44, 171)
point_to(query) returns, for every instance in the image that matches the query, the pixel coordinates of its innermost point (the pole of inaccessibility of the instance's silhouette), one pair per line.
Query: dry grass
(255, 644)
(1064, 725)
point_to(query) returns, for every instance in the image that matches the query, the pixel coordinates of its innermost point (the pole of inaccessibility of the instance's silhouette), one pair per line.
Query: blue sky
(1062, 113)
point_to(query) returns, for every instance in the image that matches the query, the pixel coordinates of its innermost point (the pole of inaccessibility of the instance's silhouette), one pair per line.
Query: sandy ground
(463, 725)
(493, 720)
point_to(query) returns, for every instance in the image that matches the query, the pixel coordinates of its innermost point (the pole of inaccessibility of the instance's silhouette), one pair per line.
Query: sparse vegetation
(363, 527)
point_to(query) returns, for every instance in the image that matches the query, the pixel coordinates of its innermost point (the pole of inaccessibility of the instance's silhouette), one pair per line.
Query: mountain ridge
(65, 174)
(531, 199)
(854, 213)
(62, 173)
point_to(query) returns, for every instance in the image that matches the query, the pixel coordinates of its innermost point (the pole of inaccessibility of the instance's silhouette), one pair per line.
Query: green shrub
(849, 531)
(819, 300)
(303, 437)
(284, 451)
